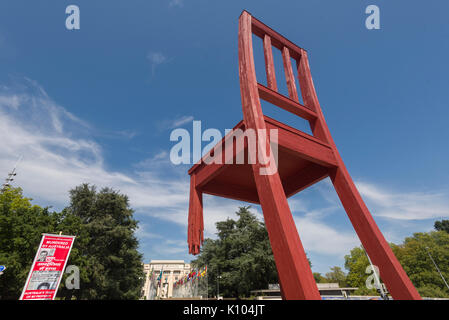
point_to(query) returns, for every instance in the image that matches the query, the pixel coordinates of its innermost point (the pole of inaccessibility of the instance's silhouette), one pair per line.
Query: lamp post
(438, 269)
(378, 284)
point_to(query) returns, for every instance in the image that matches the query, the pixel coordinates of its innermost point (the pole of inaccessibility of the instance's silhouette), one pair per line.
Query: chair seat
(302, 161)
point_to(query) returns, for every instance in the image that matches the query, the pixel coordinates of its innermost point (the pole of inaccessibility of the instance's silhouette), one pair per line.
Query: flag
(160, 276)
(159, 279)
(203, 272)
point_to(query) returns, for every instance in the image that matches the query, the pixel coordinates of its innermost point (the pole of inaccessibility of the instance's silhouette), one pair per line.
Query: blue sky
(98, 104)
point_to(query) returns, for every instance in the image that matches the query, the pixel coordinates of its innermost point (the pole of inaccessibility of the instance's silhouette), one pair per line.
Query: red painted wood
(305, 146)
(195, 235)
(269, 64)
(277, 40)
(299, 152)
(285, 103)
(233, 191)
(309, 99)
(222, 143)
(289, 76)
(293, 268)
(304, 179)
(303, 160)
(291, 141)
(224, 150)
(272, 123)
(391, 272)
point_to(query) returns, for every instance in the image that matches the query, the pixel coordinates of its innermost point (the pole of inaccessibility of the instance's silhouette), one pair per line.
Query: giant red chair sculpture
(303, 161)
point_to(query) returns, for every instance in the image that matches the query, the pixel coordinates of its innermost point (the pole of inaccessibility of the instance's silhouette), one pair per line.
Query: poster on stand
(48, 266)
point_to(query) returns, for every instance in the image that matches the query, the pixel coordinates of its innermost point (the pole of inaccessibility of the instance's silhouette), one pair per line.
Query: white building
(172, 271)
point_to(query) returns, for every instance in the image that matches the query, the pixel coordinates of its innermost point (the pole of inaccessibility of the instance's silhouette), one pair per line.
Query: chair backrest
(310, 110)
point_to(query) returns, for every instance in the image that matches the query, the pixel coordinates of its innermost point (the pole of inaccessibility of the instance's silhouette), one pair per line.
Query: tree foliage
(241, 256)
(105, 248)
(442, 225)
(413, 255)
(336, 275)
(356, 263)
(21, 228)
(319, 278)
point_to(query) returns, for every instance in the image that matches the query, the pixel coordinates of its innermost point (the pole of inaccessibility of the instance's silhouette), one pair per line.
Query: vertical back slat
(291, 85)
(269, 64)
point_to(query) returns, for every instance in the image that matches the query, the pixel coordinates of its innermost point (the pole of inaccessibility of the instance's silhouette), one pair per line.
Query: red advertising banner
(47, 268)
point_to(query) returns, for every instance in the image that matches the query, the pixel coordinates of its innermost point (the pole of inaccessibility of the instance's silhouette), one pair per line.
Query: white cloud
(317, 236)
(320, 238)
(9, 101)
(174, 123)
(400, 208)
(59, 154)
(176, 3)
(142, 232)
(180, 121)
(219, 209)
(156, 59)
(214, 209)
(161, 158)
(404, 206)
(403, 210)
(128, 134)
(170, 249)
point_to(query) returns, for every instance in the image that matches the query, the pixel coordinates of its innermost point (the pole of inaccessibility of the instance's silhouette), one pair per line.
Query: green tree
(319, 278)
(21, 228)
(413, 254)
(356, 263)
(105, 249)
(336, 275)
(442, 225)
(241, 256)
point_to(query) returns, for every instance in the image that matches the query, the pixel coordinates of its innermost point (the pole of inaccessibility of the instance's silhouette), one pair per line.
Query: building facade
(172, 271)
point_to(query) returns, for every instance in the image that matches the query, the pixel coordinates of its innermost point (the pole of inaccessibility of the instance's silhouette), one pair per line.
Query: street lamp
(378, 284)
(438, 269)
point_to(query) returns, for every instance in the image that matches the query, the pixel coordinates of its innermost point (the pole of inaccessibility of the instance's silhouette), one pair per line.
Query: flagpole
(159, 283)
